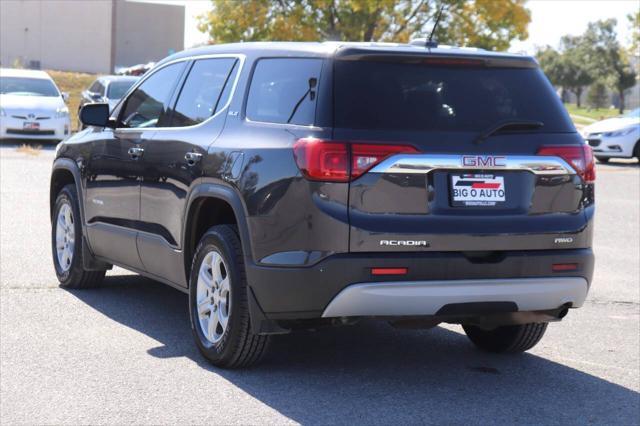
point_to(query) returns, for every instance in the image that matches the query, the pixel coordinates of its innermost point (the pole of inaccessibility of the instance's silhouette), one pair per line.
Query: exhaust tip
(563, 312)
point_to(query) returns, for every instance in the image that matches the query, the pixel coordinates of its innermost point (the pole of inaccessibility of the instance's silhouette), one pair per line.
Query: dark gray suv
(287, 186)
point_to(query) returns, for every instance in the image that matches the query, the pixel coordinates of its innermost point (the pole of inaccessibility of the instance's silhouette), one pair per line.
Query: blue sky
(551, 19)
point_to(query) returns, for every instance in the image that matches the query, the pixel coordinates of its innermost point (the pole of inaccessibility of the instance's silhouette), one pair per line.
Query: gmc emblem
(483, 161)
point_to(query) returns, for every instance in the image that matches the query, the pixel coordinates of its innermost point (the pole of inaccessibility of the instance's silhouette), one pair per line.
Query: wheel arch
(64, 172)
(212, 204)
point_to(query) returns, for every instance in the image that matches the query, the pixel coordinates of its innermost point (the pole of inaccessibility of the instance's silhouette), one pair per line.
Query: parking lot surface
(124, 352)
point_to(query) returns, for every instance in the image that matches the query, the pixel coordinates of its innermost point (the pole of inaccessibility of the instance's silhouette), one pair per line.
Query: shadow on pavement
(374, 374)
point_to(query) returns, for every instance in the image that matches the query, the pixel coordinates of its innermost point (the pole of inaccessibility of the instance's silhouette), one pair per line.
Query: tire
(636, 150)
(506, 339)
(66, 243)
(218, 283)
(603, 160)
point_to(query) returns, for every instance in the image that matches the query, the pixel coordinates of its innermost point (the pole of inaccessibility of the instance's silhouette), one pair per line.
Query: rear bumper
(437, 297)
(307, 292)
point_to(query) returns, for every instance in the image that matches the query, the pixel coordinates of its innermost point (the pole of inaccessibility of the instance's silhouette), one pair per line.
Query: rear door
(173, 160)
(482, 167)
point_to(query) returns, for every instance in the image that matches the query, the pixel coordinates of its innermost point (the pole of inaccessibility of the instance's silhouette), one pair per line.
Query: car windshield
(27, 86)
(117, 89)
(634, 113)
(427, 97)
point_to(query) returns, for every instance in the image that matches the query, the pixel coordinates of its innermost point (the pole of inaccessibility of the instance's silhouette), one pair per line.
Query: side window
(96, 88)
(148, 105)
(200, 94)
(284, 91)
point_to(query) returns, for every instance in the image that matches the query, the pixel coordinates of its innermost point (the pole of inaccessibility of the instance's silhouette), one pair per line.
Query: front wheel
(506, 339)
(218, 302)
(66, 243)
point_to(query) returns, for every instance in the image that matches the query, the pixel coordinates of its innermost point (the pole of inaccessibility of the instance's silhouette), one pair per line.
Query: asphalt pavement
(123, 353)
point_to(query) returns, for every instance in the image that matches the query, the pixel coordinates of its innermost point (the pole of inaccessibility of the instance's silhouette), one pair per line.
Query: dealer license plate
(31, 125)
(477, 190)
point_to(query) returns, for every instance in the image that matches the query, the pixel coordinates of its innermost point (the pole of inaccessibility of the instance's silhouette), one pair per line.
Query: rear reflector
(334, 161)
(564, 267)
(389, 271)
(580, 157)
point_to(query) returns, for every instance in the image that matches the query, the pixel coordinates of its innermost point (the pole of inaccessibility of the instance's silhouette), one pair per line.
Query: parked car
(32, 106)
(617, 137)
(108, 88)
(288, 186)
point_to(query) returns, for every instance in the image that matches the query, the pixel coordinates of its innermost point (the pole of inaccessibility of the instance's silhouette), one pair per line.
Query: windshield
(427, 97)
(117, 89)
(27, 86)
(634, 113)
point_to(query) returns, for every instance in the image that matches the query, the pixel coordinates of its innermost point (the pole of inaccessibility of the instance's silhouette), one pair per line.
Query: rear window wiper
(508, 125)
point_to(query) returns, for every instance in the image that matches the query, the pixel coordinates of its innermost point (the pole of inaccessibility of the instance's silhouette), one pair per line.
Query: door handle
(192, 158)
(135, 152)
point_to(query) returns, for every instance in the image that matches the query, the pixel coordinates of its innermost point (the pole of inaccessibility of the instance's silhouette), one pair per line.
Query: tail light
(334, 161)
(580, 157)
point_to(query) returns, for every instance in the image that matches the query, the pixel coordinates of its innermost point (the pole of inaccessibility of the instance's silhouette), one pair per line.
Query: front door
(114, 169)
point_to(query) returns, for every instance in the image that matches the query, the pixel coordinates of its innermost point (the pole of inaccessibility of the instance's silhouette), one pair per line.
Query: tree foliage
(490, 24)
(594, 56)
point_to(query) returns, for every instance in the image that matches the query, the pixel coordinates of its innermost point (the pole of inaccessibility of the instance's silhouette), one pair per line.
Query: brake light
(580, 157)
(334, 161)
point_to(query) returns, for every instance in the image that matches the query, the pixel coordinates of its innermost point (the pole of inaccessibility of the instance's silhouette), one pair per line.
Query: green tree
(634, 23)
(608, 60)
(490, 24)
(597, 95)
(566, 68)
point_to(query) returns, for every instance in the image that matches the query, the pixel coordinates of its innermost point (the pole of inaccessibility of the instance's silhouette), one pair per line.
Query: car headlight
(62, 112)
(622, 132)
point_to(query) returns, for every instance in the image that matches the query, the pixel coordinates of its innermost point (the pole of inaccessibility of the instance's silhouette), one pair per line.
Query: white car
(617, 137)
(32, 106)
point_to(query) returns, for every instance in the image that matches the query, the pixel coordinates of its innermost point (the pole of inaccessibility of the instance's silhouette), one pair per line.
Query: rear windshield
(428, 97)
(26, 86)
(117, 89)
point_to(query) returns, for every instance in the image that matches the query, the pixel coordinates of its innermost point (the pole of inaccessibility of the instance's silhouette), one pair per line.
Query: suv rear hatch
(458, 153)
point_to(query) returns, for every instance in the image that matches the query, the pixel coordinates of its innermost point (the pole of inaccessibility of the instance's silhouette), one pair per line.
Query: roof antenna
(429, 43)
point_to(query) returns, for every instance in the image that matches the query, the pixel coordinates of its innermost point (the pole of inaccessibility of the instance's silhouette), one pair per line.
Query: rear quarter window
(428, 97)
(282, 90)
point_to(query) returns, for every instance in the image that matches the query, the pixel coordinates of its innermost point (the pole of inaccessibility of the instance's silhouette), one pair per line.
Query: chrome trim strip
(424, 163)
(428, 297)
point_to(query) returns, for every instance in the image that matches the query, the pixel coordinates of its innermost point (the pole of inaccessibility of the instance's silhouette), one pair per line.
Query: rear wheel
(603, 160)
(66, 243)
(636, 150)
(506, 339)
(218, 303)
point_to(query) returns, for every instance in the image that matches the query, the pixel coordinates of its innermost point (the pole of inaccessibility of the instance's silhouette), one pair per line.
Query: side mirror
(65, 96)
(95, 115)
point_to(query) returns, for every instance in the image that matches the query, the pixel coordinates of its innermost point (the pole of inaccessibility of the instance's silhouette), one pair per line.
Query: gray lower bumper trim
(428, 297)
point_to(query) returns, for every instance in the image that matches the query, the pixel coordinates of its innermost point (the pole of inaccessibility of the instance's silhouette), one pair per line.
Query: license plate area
(31, 125)
(477, 190)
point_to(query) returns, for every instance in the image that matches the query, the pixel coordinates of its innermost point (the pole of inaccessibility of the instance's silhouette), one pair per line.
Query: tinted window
(201, 91)
(117, 89)
(95, 87)
(27, 86)
(401, 96)
(148, 105)
(280, 91)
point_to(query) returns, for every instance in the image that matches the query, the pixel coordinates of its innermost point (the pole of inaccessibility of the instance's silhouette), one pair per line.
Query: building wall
(65, 35)
(147, 32)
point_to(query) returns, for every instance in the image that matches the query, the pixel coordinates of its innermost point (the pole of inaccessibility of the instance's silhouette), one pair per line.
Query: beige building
(88, 35)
